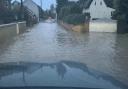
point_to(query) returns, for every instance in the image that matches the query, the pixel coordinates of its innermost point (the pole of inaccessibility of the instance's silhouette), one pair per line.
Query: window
(101, 3)
(95, 3)
(111, 13)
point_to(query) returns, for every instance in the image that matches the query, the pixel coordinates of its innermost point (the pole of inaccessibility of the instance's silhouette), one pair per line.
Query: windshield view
(63, 44)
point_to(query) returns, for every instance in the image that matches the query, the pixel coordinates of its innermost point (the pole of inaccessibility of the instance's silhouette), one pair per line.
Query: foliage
(60, 4)
(76, 9)
(82, 3)
(74, 19)
(69, 9)
(64, 12)
(121, 9)
(109, 3)
(8, 13)
(50, 13)
(7, 16)
(70, 12)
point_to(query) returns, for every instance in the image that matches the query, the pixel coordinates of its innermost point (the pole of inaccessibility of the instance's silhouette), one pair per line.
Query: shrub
(74, 19)
(66, 10)
(7, 16)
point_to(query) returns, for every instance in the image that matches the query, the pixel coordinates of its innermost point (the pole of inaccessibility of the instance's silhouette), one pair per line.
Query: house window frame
(101, 3)
(112, 13)
(95, 3)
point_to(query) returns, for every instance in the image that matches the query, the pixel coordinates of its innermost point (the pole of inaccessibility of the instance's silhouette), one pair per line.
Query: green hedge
(7, 16)
(74, 19)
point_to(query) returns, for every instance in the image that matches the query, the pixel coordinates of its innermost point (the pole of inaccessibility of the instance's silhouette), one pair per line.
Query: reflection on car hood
(61, 74)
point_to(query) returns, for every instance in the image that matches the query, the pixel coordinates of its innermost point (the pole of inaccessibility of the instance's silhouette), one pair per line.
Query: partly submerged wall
(103, 26)
(93, 26)
(10, 30)
(77, 28)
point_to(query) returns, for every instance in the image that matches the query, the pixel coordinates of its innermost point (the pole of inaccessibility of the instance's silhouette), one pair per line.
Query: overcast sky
(46, 3)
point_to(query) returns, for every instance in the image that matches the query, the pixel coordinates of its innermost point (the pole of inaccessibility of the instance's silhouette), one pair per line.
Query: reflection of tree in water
(24, 80)
(61, 68)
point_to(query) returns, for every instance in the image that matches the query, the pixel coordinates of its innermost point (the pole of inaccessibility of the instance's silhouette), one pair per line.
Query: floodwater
(49, 44)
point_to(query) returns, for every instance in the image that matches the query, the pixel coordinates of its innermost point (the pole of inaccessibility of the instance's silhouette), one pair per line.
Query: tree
(60, 4)
(109, 3)
(64, 12)
(121, 15)
(121, 9)
(76, 9)
(70, 8)
(52, 11)
(7, 14)
(52, 8)
(82, 3)
(5, 4)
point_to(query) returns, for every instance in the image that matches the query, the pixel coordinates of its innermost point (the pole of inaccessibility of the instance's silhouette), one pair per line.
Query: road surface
(50, 43)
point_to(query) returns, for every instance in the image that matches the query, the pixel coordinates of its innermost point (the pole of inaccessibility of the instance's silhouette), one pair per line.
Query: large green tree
(70, 8)
(121, 15)
(7, 14)
(60, 4)
(121, 9)
(5, 4)
(82, 3)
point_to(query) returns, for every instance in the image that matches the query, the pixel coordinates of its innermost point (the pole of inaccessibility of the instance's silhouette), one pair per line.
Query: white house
(32, 6)
(98, 9)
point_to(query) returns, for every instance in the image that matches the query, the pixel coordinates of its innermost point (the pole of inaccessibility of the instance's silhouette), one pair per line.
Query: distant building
(98, 9)
(33, 7)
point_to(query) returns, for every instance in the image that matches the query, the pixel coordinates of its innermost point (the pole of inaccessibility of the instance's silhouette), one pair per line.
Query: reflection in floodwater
(48, 44)
(71, 73)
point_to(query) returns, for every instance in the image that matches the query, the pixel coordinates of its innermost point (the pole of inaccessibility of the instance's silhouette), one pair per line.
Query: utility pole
(22, 12)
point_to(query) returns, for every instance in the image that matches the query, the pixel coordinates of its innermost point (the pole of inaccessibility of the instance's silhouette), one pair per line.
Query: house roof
(88, 3)
(34, 3)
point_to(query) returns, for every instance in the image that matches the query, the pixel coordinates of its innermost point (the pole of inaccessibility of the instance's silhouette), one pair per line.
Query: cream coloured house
(98, 9)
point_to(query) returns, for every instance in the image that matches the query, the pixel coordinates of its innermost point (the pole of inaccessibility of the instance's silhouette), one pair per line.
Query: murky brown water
(49, 43)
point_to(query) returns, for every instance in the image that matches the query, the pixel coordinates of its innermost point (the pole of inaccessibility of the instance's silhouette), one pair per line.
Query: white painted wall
(98, 9)
(32, 6)
(103, 26)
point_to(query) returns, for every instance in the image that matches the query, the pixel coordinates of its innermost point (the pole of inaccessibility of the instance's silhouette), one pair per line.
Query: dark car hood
(61, 74)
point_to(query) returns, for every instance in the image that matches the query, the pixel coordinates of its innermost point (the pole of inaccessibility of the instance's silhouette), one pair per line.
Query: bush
(7, 16)
(74, 19)
(66, 10)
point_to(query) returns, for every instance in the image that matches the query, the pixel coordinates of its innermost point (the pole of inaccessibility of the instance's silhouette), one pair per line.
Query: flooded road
(50, 43)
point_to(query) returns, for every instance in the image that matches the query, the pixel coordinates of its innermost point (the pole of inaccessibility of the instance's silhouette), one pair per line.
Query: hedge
(74, 19)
